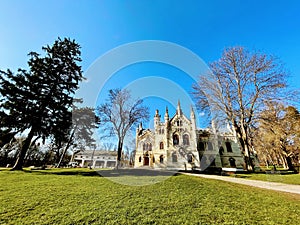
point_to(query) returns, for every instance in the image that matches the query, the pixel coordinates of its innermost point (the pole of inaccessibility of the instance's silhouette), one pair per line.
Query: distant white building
(96, 158)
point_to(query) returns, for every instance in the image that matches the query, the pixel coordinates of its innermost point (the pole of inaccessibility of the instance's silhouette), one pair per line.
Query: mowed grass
(273, 177)
(83, 197)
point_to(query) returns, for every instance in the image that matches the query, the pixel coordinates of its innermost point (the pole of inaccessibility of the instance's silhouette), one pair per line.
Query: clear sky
(203, 27)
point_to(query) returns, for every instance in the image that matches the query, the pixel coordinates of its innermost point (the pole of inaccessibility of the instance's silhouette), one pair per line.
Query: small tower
(193, 127)
(214, 127)
(167, 126)
(138, 132)
(193, 119)
(156, 119)
(167, 116)
(178, 110)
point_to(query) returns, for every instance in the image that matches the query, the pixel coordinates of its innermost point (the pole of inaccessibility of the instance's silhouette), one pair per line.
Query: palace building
(176, 143)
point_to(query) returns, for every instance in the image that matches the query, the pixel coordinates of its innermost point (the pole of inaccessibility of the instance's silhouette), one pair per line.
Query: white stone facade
(175, 143)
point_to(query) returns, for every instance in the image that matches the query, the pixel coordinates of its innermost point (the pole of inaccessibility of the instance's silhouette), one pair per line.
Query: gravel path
(291, 188)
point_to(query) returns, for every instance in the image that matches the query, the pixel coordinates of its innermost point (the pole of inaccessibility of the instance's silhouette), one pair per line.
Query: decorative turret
(193, 118)
(192, 113)
(193, 124)
(167, 126)
(178, 110)
(156, 119)
(139, 129)
(214, 127)
(167, 115)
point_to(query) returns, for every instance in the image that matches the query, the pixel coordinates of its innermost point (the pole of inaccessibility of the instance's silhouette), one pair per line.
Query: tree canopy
(119, 113)
(236, 89)
(277, 136)
(38, 101)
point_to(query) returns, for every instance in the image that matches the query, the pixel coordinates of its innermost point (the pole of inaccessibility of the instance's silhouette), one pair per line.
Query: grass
(81, 196)
(272, 177)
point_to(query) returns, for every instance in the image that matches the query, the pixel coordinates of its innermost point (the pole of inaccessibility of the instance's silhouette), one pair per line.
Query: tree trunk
(119, 156)
(290, 164)
(242, 136)
(26, 144)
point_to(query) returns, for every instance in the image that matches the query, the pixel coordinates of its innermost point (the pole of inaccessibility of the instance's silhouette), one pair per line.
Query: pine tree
(38, 101)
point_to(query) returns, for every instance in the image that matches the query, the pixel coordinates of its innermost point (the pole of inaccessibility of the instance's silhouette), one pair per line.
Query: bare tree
(119, 113)
(108, 146)
(236, 88)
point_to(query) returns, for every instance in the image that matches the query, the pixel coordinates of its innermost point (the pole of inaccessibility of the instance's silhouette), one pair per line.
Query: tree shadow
(135, 172)
(64, 172)
(105, 172)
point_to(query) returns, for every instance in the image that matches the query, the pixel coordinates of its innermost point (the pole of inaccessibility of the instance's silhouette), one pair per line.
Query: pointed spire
(192, 112)
(167, 114)
(178, 111)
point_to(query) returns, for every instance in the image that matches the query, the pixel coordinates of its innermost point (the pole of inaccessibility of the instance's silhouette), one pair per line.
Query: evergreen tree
(39, 100)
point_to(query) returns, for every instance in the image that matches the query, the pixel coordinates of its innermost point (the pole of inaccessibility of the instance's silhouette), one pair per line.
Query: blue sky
(203, 27)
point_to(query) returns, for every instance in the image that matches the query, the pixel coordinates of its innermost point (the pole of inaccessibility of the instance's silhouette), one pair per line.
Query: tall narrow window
(161, 158)
(174, 157)
(186, 140)
(175, 139)
(228, 146)
(161, 145)
(144, 146)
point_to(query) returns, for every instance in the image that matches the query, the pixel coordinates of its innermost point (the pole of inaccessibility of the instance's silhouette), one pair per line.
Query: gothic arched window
(186, 140)
(161, 158)
(144, 146)
(174, 157)
(161, 145)
(228, 146)
(175, 139)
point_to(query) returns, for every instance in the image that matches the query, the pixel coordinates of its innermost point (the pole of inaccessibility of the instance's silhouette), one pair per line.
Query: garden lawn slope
(83, 197)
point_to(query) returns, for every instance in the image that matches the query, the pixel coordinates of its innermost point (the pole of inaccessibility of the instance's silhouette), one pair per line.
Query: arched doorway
(146, 160)
(232, 162)
(161, 159)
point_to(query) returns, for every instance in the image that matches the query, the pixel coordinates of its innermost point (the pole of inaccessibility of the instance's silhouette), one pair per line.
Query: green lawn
(273, 177)
(78, 196)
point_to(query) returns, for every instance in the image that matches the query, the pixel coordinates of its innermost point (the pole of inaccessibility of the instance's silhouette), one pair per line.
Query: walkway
(291, 188)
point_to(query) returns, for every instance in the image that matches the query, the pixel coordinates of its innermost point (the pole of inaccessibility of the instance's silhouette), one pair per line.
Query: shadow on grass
(63, 172)
(105, 173)
(135, 172)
